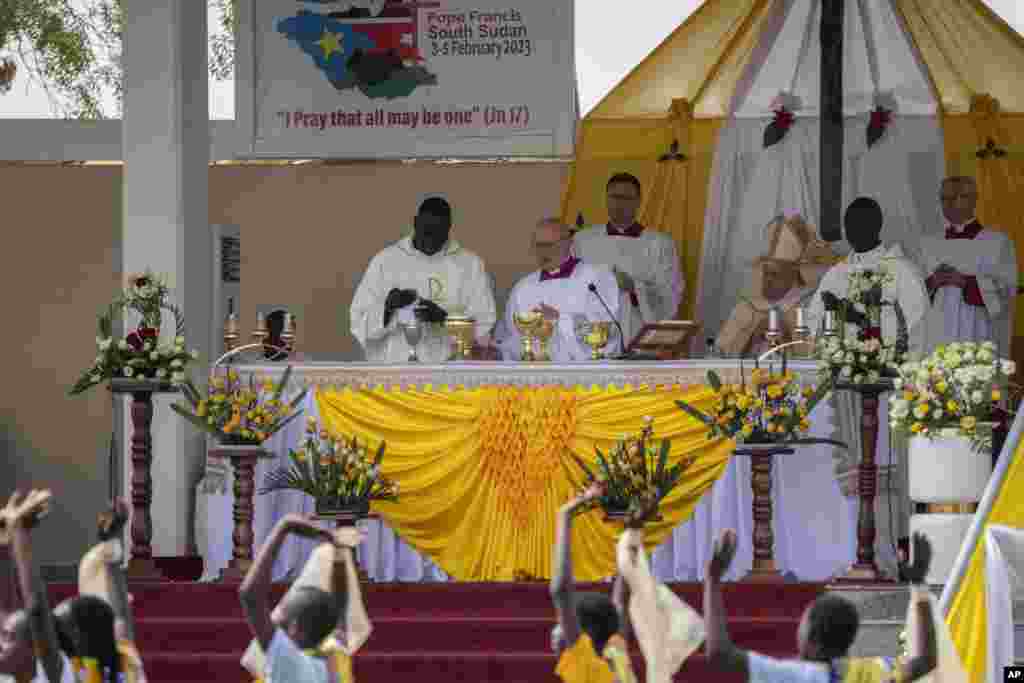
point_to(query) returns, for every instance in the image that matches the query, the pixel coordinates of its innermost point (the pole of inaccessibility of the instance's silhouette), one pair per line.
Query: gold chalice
(596, 337)
(528, 325)
(545, 330)
(462, 330)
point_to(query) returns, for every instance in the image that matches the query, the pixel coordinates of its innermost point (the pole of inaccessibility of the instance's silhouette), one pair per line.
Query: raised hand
(113, 520)
(721, 558)
(306, 527)
(24, 511)
(916, 571)
(349, 537)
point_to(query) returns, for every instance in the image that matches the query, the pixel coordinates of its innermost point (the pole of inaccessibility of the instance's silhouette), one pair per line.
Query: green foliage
(72, 49)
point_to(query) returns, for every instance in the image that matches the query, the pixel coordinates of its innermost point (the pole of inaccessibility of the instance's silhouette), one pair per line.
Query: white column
(166, 136)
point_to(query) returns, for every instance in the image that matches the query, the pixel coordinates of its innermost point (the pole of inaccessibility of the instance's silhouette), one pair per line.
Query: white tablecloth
(814, 525)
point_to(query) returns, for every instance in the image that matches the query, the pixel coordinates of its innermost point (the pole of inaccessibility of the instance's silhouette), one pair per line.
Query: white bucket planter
(945, 471)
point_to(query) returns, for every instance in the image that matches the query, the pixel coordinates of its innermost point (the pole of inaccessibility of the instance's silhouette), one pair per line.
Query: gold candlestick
(260, 334)
(288, 333)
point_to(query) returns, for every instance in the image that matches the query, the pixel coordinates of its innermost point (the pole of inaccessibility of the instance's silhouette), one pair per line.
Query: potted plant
(947, 404)
(634, 477)
(339, 474)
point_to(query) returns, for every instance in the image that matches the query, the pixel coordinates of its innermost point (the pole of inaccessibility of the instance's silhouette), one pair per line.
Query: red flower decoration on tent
(779, 126)
(880, 120)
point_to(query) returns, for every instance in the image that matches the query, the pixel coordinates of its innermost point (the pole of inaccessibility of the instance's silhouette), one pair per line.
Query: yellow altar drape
(482, 472)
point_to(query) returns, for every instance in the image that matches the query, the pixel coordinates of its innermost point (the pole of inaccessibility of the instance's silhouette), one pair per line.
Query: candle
(260, 322)
(287, 321)
(830, 321)
(773, 320)
(800, 316)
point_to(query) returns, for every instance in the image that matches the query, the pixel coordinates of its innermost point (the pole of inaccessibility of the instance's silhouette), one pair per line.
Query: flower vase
(946, 475)
(346, 516)
(243, 458)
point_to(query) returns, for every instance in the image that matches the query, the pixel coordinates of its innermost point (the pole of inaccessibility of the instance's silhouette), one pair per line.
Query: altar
(479, 450)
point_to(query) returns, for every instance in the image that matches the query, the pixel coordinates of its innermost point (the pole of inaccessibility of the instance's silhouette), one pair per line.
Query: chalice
(413, 332)
(461, 329)
(595, 334)
(528, 325)
(545, 330)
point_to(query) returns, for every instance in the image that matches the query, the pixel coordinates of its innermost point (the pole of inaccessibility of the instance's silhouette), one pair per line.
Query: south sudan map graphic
(370, 45)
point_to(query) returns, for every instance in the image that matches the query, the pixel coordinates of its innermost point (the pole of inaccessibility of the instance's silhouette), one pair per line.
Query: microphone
(622, 337)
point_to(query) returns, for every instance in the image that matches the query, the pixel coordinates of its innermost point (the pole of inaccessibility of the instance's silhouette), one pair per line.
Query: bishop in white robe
(973, 274)
(424, 278)
(561, 289)
(645, 262)
(863, 227)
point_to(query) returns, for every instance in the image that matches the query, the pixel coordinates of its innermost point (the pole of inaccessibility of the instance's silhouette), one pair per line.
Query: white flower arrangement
(863, 281)
(857, 361)
(956, 391)
(140, 354)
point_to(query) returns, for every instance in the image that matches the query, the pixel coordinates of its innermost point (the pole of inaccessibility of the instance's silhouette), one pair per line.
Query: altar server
(561, 290)
(863, 228)
(96, 628)
(826, 632)
(331, 568)
(645, 261)
(29, 649)
(973, 273)
(425, 277)
(291, 642)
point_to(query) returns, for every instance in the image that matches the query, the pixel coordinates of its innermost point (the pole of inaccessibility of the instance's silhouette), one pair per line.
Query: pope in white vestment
(972, 274)
(425, 277)
(646, 262)
(561, 290)
(863, 226)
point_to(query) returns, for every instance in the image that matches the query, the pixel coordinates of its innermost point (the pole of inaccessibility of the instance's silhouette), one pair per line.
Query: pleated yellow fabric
(967, 616)
(483, 471)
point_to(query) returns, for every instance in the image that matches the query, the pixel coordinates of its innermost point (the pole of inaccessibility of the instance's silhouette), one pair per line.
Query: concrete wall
(307, 235)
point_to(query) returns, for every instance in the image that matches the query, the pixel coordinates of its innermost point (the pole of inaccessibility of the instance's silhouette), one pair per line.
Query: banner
(410, 78)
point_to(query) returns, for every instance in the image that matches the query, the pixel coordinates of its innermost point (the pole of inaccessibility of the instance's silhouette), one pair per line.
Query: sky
(603, 57)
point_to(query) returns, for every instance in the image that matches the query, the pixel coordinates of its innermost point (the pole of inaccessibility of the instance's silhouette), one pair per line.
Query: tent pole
(831, 155)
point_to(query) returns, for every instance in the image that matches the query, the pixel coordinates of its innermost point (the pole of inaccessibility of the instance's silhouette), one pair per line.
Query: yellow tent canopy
(689, 85)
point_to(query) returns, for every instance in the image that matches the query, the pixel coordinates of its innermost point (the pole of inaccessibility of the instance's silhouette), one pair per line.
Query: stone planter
(946, 475)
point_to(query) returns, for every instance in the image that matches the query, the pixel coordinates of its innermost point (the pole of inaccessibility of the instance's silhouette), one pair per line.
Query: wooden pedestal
(763, 537)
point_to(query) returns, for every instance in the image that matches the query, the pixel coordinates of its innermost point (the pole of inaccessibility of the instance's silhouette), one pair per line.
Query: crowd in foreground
(321, 622)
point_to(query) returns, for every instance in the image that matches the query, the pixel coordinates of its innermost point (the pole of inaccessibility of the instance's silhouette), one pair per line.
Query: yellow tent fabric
(482, 472)
(966, 617)
(968, 51)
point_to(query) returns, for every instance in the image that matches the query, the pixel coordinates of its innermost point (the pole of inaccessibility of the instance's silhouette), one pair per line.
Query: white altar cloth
(814, 525)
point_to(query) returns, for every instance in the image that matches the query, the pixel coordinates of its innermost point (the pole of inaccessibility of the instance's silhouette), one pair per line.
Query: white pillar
(166, 136)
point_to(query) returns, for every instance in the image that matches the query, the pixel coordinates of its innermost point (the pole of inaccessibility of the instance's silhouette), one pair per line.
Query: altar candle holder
(802, 333)
(774, 334)
(231, 334)
(288, 333)
(260, 334)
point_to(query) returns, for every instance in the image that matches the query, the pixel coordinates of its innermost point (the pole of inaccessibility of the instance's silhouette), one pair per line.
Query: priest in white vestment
(562, 289)
(972, 270)
(645, 262)
(863, 228)
(423, 278)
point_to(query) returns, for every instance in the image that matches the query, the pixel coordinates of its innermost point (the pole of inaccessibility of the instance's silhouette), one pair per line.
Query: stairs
(430, 632)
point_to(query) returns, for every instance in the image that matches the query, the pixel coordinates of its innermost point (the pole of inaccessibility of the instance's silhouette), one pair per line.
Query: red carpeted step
(391, 634)
(436, 667)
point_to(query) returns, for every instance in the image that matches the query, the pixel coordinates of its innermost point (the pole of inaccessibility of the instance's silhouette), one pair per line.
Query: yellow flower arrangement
(238, 412)
(771, 407)
(337, 473)
(634, 475)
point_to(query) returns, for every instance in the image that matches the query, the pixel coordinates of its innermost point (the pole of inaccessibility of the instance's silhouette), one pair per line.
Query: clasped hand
(426, 310)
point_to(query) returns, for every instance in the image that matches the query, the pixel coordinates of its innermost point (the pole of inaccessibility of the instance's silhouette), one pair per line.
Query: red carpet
(430, 633)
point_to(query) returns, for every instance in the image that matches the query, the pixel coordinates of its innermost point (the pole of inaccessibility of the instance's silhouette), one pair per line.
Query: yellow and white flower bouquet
(955, 391)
